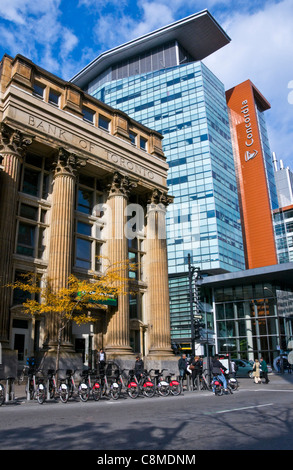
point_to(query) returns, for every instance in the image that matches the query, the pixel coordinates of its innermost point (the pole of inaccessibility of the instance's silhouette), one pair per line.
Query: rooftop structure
(199, 35)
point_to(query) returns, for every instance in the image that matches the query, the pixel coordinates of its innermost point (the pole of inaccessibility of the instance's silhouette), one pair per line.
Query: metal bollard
(9, 393)
(48, 391)
(28, 397)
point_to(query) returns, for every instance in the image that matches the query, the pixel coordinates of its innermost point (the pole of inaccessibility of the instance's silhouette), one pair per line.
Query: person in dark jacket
(196, 367)
(264, 369)
(138, 367)
(218, 369)
(182, 364)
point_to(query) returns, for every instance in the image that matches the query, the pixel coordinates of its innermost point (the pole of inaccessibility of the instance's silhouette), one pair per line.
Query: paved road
(255, 417)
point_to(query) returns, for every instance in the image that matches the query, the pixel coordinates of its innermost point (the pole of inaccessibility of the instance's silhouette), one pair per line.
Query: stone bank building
(64, 158)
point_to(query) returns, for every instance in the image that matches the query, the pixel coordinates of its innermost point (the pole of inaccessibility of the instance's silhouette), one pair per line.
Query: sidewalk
(279, 381)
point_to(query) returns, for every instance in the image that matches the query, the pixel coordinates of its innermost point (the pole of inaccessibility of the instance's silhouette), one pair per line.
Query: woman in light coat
(256, 371)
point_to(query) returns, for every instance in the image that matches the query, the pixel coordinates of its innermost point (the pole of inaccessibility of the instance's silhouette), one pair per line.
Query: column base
(67, 360)
(162, 359)
(8, 363)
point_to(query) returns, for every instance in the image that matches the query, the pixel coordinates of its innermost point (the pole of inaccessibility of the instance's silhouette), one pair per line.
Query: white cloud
(34, 29)
(261, 50)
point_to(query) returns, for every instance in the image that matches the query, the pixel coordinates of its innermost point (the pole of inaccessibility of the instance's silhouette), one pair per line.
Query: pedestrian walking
(264, 369)
(256, 371)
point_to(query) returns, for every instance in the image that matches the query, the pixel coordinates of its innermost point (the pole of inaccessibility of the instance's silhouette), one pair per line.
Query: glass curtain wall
(253, 320)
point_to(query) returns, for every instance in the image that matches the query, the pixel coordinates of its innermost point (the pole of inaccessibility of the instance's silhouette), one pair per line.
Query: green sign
(107, 301)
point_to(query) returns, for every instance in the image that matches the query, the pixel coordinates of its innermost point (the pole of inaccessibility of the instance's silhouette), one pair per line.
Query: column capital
(67, 163)
(160, 197)
(121, 185)
(13, 140)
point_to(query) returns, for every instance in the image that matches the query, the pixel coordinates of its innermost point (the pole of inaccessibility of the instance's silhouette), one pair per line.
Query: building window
(20, 296)
(87, 247)
(135, 255)
(143, 143)
(25, 239)
(31, 237)
(85, 200)
(39, 90)
(104, 123)
(132, 136)
(88, 115)
(54, 97)
(35, 177)
(88, 233)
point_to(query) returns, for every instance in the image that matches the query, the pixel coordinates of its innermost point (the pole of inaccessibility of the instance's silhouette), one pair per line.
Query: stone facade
(73, 172)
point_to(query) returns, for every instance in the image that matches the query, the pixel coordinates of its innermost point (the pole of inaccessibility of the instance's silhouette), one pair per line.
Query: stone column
(117, 338)
(13, 144)
(157, 277)
(61, 236)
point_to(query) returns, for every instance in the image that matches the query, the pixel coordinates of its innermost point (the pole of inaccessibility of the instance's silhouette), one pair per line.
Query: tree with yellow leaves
(78, 300)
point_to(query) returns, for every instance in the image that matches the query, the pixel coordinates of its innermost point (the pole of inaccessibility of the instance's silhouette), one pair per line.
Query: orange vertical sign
(254, 197)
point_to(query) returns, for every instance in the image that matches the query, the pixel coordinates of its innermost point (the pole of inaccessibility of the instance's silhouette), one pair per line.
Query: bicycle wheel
(175, 388)
(234, 385)
(219, 391)
(2, 394)
(83, 392)
(115, 391)
(63, 393)
(132, 391)
(148, 389)
(97, 391)
(163, 389)
(41, 393)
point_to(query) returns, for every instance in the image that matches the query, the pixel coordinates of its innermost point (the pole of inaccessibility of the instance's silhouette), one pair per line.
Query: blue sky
(65, 35)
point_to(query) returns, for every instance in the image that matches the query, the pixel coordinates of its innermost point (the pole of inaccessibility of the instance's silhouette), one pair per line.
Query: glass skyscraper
(160, 81)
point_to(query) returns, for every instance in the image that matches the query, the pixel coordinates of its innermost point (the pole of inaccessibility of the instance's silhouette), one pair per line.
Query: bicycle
(162, 386)
(86, 388)
(35, 388)
(63, 388)
(232, 382)
(51, 383)
(200, 383)
(217, 386)
(146, 386)
(111, 390)
(175, 385)
(70, 382)
(129, 383)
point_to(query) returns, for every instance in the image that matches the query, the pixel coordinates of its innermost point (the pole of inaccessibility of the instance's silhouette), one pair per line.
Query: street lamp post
(191, 270)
